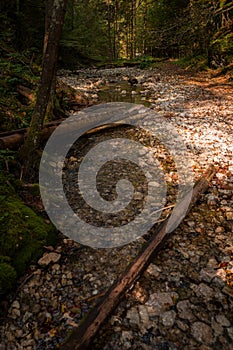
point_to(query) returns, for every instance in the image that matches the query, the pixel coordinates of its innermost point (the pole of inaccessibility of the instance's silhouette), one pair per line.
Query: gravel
(184, 300)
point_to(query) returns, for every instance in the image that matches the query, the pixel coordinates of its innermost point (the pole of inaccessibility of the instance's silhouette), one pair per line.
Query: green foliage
(222, 46)
(15, 68)
(84, 34)
(199, 62)
(22, 234)
(6, 155)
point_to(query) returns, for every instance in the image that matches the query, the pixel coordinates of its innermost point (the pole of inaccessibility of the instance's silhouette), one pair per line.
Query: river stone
(168, 318)
(207, 274)
(229, 215)
(154, 270)
(48, 258)
(223, 321)
(159, 302)
(133, 316)
(202, 332)
(184, 310)
(216, 327)
(204, 291)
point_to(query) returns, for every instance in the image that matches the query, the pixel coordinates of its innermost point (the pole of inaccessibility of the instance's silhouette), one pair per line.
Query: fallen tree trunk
(15, 138)
(82, 337)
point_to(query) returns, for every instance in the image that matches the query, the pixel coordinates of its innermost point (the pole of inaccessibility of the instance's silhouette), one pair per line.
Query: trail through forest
(184, 300)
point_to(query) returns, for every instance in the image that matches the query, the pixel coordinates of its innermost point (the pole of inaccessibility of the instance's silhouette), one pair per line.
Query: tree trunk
(111, 55)
(32, 143)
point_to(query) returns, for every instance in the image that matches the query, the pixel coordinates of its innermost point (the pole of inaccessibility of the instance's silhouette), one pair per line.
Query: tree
(53, 35)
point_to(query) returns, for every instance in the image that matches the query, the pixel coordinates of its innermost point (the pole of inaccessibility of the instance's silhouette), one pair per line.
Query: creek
(123, 92)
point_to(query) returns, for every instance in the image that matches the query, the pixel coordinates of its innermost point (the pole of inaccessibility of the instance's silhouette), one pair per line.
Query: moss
(22, 233)
(7, 277)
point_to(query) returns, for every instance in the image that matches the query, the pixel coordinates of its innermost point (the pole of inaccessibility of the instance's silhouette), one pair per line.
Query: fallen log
(12, 141)
(15, 138)
(82, 337)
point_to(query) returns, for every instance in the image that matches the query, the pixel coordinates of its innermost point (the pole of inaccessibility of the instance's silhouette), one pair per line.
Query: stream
(123, 92)
(112, 85)
(184, 300)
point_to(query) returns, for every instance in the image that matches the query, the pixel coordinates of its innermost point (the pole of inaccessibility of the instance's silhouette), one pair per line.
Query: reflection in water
(123, 92)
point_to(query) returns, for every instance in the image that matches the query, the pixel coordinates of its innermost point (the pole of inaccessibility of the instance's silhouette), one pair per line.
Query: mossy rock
(22, 235)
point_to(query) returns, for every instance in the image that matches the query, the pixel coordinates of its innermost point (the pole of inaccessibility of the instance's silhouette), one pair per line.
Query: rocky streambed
(184, 300)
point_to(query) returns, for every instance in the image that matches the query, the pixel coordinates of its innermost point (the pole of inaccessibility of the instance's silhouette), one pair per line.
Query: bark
(14, 139)
(48, 72)
(48, 12)
(109, 32)
(82, 337)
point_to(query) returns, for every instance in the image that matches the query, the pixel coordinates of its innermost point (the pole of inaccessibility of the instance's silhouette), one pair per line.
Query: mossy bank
(22, 235)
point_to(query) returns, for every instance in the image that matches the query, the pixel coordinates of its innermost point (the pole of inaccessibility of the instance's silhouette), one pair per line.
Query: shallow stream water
(123, 92)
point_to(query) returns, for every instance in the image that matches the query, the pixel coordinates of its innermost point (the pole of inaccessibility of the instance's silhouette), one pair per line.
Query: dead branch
(26, 92)
(82, 337)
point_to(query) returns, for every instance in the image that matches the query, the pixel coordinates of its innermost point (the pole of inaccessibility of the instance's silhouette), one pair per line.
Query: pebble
(223, 321)
(185, 311)
(202, 332)
(48, 258)
(168, 318)
(159, 302)
(229, 215)
(184, 299)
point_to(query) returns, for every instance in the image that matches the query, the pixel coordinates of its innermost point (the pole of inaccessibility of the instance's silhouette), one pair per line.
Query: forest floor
(184, 300)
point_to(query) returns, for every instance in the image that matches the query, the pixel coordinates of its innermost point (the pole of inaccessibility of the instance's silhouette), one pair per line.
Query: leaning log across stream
(82, 337)
(14, 139)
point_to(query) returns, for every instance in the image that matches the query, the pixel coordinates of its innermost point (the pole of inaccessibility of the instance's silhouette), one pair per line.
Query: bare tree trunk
(48, 14)
(111, 55)
(144, 28)
(32, 142)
